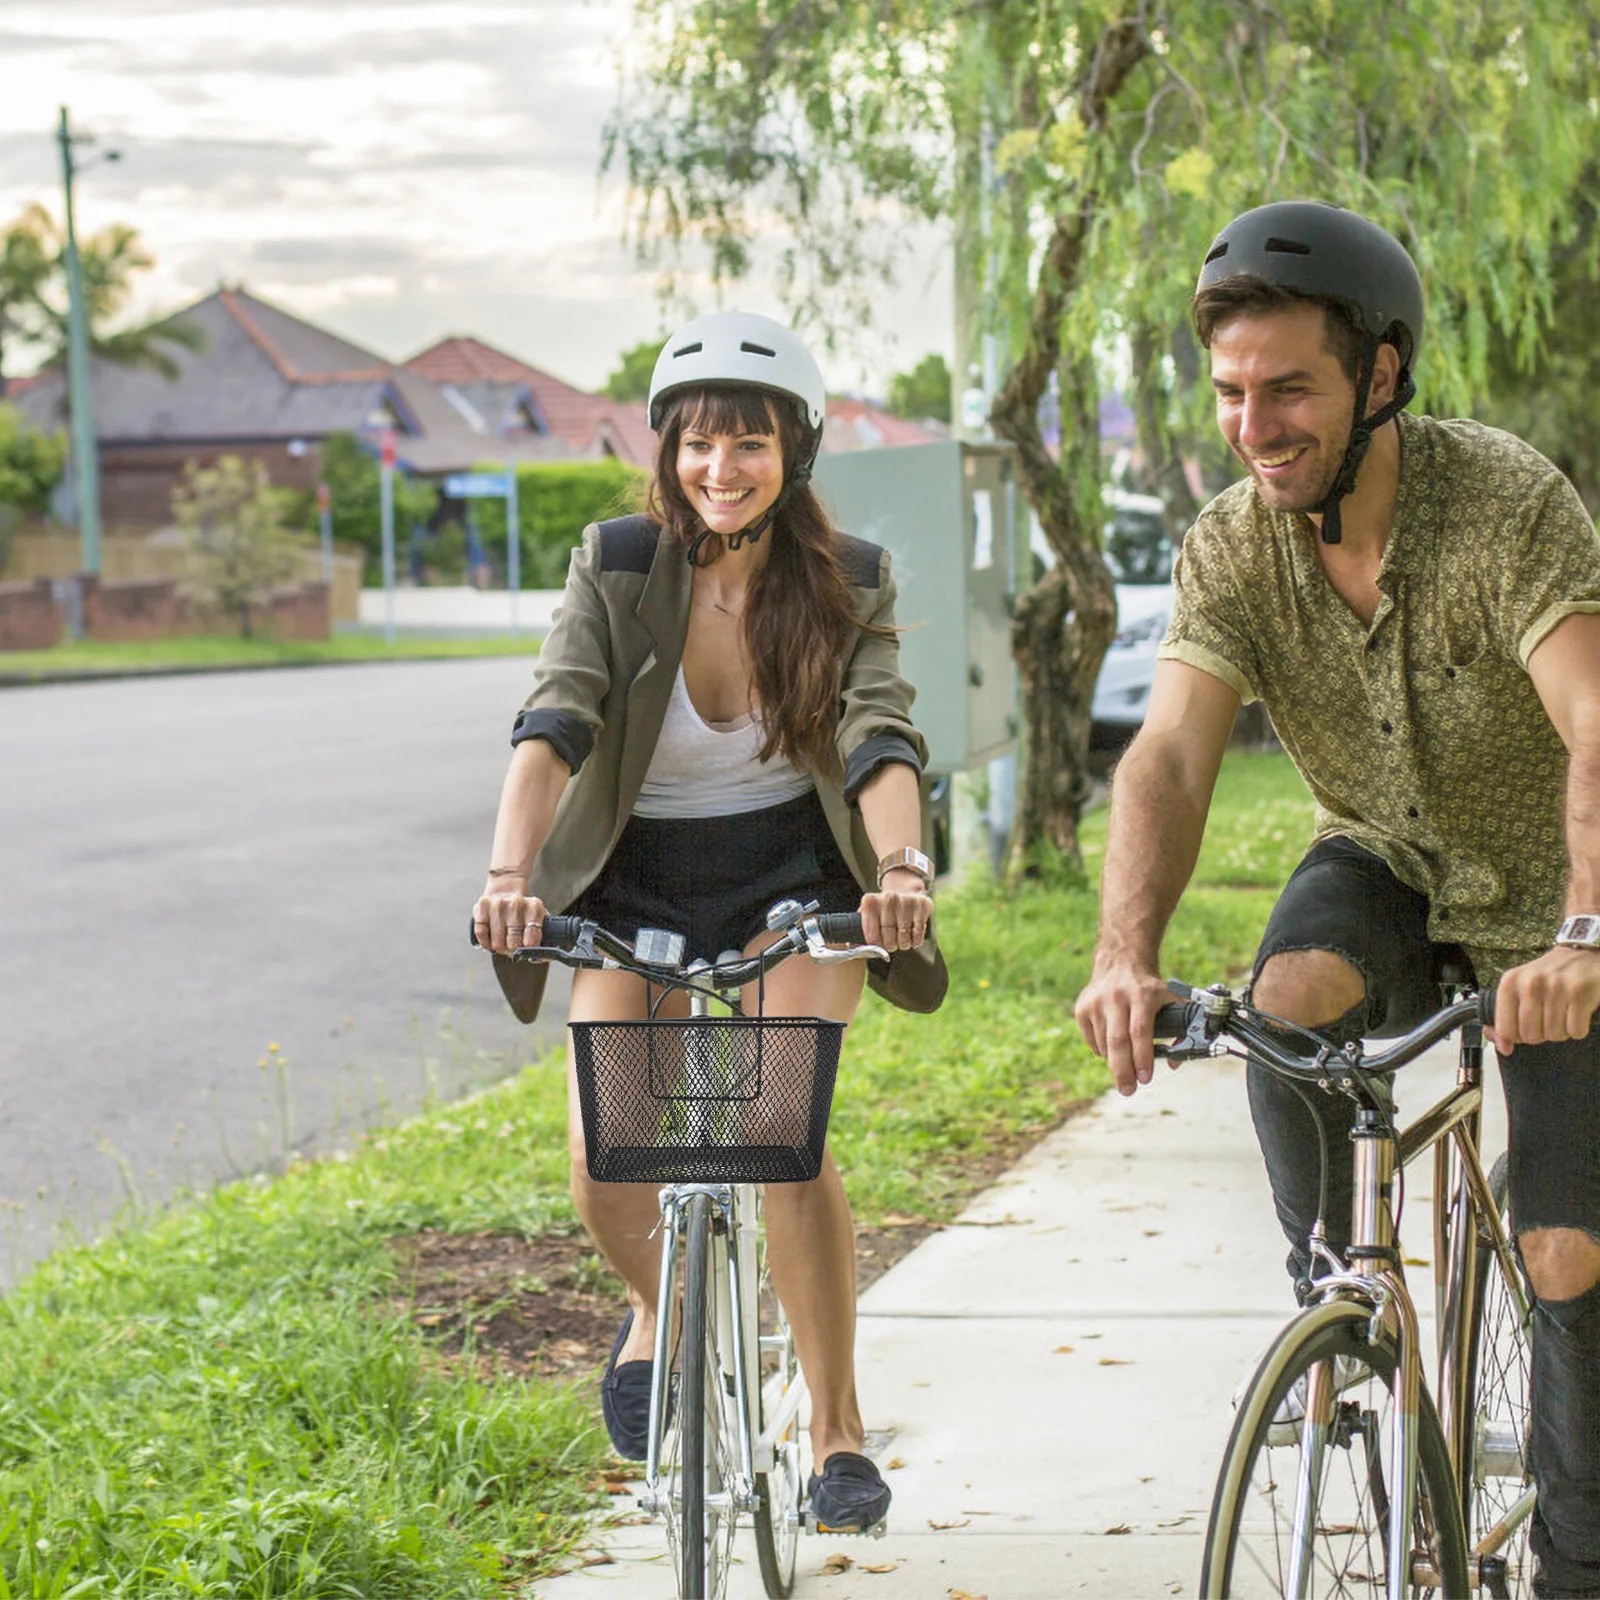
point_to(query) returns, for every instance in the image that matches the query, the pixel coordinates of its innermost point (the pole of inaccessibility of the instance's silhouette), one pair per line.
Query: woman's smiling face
(730, 479)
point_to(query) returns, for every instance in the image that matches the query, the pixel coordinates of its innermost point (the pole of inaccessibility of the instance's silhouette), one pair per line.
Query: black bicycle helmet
(1324, 252)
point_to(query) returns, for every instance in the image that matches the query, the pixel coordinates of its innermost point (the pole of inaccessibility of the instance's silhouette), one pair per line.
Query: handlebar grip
(560, 933)
(1172, 1021)
(841, 927)
(1486, 1005)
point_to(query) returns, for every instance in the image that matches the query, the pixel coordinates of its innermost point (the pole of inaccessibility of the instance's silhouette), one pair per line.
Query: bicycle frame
(1372, 1277)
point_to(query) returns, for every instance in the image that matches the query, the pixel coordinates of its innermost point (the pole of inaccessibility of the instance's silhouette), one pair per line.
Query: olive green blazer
(604, 677)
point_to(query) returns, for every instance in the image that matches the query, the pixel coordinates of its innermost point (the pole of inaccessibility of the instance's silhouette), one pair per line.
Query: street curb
(21, 680)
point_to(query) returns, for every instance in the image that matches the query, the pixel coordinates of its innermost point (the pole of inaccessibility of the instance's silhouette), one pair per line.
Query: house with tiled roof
(591, 424)
(269, 386)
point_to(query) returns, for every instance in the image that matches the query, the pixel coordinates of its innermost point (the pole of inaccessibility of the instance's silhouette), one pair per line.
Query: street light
(85, 451)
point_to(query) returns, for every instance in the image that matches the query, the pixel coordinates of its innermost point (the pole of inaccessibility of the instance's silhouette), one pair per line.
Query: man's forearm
(1158, 820)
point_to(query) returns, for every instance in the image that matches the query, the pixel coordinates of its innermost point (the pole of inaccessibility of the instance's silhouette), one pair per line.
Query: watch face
(1583, 931)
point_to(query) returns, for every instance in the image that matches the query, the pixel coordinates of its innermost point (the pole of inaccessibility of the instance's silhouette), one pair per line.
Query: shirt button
(1386, 725)
(1411, 811)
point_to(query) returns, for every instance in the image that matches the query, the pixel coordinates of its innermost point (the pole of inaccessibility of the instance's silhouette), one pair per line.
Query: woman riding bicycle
(718, 722)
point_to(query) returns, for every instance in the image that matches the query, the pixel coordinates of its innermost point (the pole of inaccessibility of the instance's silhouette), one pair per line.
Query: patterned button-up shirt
(1421, 736)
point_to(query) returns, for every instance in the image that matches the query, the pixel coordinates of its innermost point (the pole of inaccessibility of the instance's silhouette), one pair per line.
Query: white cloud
(396, 170)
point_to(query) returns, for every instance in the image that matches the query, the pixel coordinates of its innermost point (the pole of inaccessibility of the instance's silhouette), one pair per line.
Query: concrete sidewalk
(1054, 1371)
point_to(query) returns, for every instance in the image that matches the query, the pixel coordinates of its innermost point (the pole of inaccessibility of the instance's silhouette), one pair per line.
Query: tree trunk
(1064, 624)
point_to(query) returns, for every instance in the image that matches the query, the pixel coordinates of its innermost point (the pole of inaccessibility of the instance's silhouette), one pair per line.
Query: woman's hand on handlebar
(505, 919)
(1117, 1013)
(896, 917)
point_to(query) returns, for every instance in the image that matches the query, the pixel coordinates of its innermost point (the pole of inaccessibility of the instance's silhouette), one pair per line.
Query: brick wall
(30, 617)
(137, 480)
(119, 612)
(301, 612)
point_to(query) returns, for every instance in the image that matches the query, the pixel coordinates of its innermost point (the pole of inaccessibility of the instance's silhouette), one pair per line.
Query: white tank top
(702, 769)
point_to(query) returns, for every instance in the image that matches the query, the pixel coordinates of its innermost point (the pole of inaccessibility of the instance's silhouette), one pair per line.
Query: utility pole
(85, 450)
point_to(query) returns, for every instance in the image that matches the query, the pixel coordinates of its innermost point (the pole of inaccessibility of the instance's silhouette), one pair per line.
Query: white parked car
(1139, 554)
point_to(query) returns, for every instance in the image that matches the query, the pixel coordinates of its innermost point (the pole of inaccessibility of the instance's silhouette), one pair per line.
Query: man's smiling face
(1284, 403)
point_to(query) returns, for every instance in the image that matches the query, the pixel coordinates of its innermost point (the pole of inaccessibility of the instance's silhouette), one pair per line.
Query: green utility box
(955, 522)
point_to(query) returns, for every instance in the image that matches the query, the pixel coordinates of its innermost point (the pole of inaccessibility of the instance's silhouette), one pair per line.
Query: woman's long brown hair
(798, 619)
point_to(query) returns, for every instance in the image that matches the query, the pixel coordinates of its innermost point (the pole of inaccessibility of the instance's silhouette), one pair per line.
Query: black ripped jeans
(1345, 900)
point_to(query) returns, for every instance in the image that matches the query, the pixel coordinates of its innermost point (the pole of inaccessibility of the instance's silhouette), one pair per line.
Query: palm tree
(25, 264)
(33, 294)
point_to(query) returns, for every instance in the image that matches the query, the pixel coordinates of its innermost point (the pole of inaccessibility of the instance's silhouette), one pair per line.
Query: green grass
(88, 657)
(227, 1400)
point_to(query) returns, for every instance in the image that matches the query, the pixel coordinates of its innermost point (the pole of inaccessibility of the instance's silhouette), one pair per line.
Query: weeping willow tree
(1083, 155)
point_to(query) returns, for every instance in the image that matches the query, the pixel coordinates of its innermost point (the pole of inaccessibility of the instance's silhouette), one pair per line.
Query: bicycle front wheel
(779, 1489)
(1496, 1490)
(705, 1511)
(1303, 1510)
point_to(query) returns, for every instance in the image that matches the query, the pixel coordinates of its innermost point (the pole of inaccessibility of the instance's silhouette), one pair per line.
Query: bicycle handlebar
(1204, 1016)
(579, 942)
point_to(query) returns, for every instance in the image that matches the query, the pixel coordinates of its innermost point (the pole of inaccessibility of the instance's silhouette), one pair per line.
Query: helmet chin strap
(1332, 531)
(752, 534)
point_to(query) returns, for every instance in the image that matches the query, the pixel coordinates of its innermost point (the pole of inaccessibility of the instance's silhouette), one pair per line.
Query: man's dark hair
(1247, 295)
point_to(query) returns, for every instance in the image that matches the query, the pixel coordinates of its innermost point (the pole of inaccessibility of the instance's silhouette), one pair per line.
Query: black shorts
(713, 879)
(1344, 899)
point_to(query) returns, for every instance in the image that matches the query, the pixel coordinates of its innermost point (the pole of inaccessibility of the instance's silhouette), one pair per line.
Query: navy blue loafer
(625, 1400)
(848, 1495)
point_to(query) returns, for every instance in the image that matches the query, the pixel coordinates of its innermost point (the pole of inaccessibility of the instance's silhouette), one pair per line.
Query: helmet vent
(757, 349)
(1218, 251)
(1287, 247)
(689, 350)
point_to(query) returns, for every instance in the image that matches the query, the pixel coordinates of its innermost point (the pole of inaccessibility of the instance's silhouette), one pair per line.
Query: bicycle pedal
(809, 1524)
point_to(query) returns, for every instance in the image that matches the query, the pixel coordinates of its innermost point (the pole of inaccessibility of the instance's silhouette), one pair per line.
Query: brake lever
(825, 955)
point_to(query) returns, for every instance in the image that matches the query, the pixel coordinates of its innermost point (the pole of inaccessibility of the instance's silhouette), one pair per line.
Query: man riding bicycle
(1417, 602)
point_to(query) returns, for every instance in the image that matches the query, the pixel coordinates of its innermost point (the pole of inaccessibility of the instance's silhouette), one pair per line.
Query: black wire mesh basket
(706, 1099)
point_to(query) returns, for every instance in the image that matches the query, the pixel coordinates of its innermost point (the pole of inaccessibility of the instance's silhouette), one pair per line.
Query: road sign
(471, 485)
(323, 501)
(388, 447)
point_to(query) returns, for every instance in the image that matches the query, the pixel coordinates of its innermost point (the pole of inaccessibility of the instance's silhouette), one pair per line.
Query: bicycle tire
(1252, 1515)
(1494, 1473)
(779, 1492)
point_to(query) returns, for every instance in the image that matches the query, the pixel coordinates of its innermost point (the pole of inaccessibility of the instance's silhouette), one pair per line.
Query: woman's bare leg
(621, 1217)
(810, 1236)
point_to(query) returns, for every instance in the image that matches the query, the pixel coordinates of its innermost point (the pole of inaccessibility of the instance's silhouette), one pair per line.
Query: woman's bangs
(733, 408)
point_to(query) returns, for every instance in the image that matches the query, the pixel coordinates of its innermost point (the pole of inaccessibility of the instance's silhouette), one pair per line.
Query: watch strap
(1580, 932)
(910, 860)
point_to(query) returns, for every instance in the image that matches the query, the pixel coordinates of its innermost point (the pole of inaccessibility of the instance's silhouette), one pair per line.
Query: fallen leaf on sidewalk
(1415, 1261)
(895, 1220)
(1121, 1527)
(1152, 1233)
(962, 1594)
(1114, 1361)
(939, 1527)
(1176, 1522)
(835, 1564)
(883, 1566)
(1062, 1350)
(894, 1463)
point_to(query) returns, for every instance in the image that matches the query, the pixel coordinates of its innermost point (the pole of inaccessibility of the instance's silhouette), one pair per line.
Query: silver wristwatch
(1581, 932)
(912, 860)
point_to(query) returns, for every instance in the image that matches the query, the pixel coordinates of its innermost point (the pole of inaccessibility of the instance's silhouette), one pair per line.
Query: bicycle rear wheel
(704, 1518)
(1496, 1483)
(1304, 1511)
(778, 1491)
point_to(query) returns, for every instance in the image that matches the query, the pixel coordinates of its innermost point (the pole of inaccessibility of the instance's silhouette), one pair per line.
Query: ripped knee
(1311, 987)
(1561, 1263)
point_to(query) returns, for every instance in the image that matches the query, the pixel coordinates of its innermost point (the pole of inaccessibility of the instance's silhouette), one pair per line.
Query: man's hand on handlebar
(503, 921)
(1551, 998)
(1117, 1013)
(896, 917)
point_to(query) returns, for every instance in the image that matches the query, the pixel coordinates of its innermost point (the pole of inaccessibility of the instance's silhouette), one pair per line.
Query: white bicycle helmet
(738, 347)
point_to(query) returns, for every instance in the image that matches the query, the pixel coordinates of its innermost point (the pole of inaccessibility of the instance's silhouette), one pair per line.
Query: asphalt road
(195, 868)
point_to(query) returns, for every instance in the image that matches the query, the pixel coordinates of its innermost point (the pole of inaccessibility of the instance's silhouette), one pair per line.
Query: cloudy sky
(395, 171)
